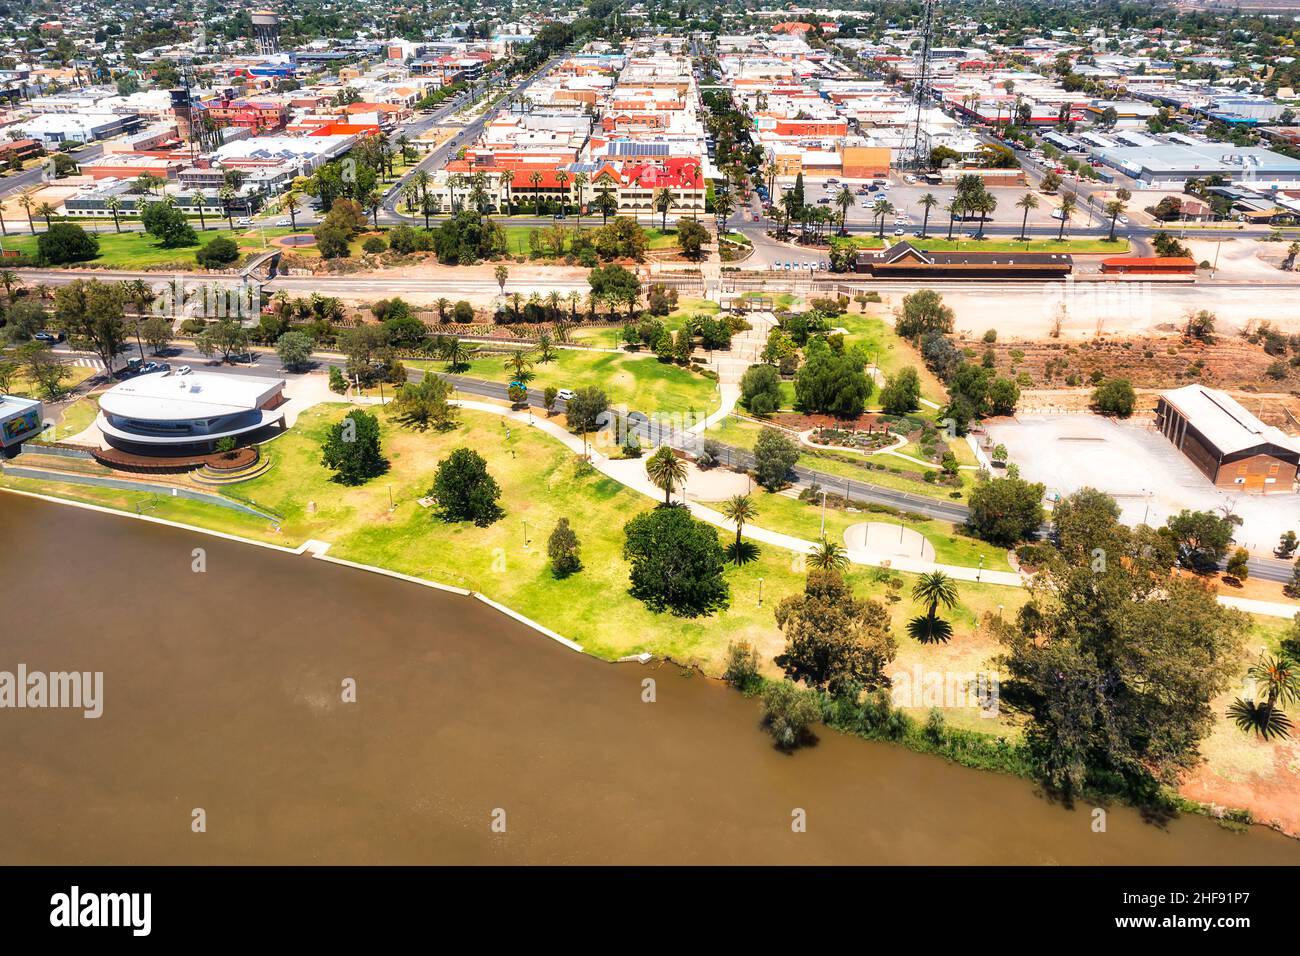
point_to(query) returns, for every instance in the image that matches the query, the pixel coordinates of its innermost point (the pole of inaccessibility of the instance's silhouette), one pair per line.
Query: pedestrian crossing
(88, 361)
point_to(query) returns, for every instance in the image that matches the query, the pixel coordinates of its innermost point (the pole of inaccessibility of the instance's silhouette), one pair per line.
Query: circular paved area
(880, 537)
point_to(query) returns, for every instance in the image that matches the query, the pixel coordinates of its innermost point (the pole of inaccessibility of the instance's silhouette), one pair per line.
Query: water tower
(266, 31)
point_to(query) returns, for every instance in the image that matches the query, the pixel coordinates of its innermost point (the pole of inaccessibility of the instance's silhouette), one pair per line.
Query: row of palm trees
(790, 210)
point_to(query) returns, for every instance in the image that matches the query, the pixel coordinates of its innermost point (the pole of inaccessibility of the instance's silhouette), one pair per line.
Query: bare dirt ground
(1229, 363)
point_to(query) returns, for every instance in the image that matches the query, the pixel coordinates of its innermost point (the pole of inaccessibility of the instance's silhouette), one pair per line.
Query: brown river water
(222, 691)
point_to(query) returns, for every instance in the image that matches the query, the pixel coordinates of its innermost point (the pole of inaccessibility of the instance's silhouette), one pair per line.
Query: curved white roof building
(167, 411)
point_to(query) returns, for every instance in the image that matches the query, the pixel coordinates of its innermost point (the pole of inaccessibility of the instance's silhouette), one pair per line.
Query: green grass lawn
(517, 235)
(24, 387)
(1072, 246)
(137, 250)
(540, 482)
(639, 381)
(741, 433)
(888, 350)
(779, 512)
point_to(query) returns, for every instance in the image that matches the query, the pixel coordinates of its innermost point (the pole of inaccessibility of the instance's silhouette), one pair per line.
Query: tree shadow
(742, 552)
(929, 630)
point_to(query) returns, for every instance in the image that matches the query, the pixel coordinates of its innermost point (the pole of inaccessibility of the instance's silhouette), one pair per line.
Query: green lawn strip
(1070, 246)
(133, 250)
(639, 381)
(517, 236)
(610, 338)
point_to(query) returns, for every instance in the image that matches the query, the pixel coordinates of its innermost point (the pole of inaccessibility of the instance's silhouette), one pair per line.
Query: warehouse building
(1229, 445)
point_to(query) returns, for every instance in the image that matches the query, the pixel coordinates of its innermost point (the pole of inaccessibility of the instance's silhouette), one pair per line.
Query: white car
(243, 222)
(898, 232)
(565, 394)
(184, 370)
(284, 222)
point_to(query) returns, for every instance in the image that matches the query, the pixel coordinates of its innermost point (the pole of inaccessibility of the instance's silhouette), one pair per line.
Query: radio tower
(921, 84)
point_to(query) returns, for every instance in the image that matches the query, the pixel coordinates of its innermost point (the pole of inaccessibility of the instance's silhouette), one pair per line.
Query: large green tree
(464, 490)
(834, 641)
(677, 562)
(351, 448)
(1114, 664)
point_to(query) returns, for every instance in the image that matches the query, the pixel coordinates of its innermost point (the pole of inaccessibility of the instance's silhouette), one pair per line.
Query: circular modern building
(170, 413)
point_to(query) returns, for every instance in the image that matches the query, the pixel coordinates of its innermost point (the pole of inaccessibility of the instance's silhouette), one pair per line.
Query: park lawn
(610, 338)
(540, 481)
(517, 236)
(889, 351)
(137, 250)
(24, 387)
(639, 381)
(1071, 246)
(741, 433)
(77, 417)
(862, 241)
(780, 512)
(674, 320)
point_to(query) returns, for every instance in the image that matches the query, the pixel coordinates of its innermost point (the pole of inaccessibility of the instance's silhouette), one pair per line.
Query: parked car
(184, 370)
(898, 232)
(244, 221)
(149, 367)
(565, 394)
(50, 337)
(284, 222)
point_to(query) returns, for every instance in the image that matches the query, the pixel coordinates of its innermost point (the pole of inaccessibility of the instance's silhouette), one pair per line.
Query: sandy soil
(886, 538)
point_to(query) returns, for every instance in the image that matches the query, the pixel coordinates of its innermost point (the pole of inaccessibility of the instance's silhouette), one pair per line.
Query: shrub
(217, 253)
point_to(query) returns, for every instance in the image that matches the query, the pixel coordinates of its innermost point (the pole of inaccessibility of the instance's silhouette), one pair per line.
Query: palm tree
(665, 470)
(662, 203)
(535, 178)
(1067, 209)
(196, 200)
(844, 199)
(114, 205)
(520, 364)
(927, 202)
(9, 280)
(374, 202)
(1113, 209)
(456, 353)
(954, 208)
(580, 184)
(291, 205)
(562, 179)
(27, 199)
(227, 196)
(1027, 202)
(932, 589)
(881, 209)
(739, 509)
(984, 204)
(826, 555)
(443, 304)
(454, 180)
(46, 211)
(506, 180)
(1279, 679)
